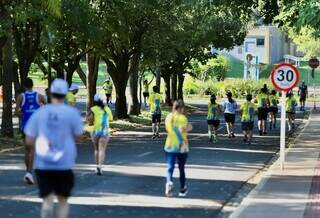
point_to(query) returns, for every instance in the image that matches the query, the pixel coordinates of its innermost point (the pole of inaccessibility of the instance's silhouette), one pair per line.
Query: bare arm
(30, 141)
(18, 105)
(42, 100)
(90, 118)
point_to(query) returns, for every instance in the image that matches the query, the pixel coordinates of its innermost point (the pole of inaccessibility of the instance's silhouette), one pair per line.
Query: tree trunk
(16, 83)
(119, 72)
(134, 79)
(180, 85)
(82, 75)
(167, 90)
(173, 86)
(7, 125)
(93, 66)
(158, 77)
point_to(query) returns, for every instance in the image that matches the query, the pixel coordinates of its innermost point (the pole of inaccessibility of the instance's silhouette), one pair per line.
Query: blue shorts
(100, 134)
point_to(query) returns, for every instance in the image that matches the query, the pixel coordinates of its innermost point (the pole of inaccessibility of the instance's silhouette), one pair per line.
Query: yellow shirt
(263, 100)
(177, 140)
(213, 111)
(247, 111)
(70, 99)
(155, 100)
(102, 119)
(107, 87)
(291, 104)
(274, 100)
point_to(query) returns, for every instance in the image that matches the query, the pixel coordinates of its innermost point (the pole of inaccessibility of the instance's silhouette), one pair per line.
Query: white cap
(73, 87)
(98, 97)
(59, 86)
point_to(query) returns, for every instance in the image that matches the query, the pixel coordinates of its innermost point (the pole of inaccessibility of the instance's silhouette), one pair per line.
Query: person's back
(247, 112)
(213, 111)
(30, 103)
(262, 99)
(230, 107)
(155, 103)
(59, 124)
(291, 104)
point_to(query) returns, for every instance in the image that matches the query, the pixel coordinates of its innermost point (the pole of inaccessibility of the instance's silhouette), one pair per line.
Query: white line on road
(145, 154)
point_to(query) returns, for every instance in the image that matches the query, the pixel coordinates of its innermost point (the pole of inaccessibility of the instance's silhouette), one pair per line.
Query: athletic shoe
(260, 132)
(154, 136)
(215, 139)
(245, 139)
(232, 135)
(169, 189)
(28, 178)
(158, 135)
(99, 171)
(183, 192)
(265, 133)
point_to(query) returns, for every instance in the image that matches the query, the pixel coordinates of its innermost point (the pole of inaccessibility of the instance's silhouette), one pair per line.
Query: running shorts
(273, 110)
(230, 118)
(146, 94)
(59, 182)
(156, 118)
(108, 95)
(215, 123)
(262, 113)
(247, 126)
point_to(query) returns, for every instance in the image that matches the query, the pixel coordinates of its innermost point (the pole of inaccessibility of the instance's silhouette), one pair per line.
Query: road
(133, 181)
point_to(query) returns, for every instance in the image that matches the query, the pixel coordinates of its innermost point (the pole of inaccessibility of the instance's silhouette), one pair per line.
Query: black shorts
(215, 123)
(273, 110)
(302, 98)
(247, 126)
(146, 94)
(262, 113)
(108, 95)
(59, 182)
(156, 118)
(230, 118)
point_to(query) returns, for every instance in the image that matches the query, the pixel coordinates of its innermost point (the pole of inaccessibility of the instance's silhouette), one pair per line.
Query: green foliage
(238, 87)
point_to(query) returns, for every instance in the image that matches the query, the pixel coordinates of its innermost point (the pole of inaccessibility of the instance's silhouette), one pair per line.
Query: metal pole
(283, 130)
(314, 96)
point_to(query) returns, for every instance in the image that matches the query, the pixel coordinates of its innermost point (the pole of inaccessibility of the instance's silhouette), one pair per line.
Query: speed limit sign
(285, 77)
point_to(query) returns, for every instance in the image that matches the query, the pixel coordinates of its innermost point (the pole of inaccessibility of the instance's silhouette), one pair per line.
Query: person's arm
(18, 105)
(168, 124)
(90, 118)
(77, 127)
(110, 115)
(42, 100)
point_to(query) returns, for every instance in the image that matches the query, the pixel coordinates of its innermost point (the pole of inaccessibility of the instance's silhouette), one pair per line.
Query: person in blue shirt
(26, 104)
(53, 130)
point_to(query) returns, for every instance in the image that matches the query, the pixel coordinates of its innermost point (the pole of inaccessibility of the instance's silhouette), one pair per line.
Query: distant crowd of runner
(52, 130)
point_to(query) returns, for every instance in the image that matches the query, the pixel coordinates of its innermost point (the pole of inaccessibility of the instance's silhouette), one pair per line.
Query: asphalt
(133, 180)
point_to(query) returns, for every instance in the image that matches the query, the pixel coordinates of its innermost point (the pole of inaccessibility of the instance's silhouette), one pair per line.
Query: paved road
(133, 183)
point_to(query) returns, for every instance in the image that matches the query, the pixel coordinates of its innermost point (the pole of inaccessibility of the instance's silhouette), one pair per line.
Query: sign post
(284, 78)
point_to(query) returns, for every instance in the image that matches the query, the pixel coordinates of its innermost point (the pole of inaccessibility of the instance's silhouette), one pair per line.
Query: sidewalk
(293, 193)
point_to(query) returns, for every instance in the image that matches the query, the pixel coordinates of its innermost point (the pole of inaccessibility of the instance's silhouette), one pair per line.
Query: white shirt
(229, 108)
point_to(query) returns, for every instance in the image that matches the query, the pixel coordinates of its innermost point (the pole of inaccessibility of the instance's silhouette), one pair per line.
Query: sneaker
(154, 136)
(232, 135)
(210, 138)
(245, 139)
(28, 178)
(215, 139)
(99, 171)
(265, 133)
(158, 135)
(260, 132)
(183, 192)
(169, 189)
(229, 136)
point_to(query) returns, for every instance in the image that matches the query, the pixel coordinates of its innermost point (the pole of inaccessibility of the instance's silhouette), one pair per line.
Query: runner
(247, 111)
(177, 146)
(273, 109)
(263, 104)
(291, 104)
(230, 107)
(71, 95)
(155, 100)
(52, 130)
(100, 117)
(146, 91)
(303, 93)
(27, 103)
(213, 121)
(108, 87)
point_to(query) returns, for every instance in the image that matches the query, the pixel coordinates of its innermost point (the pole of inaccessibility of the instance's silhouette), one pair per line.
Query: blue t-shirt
(229, 108)
(59, 125)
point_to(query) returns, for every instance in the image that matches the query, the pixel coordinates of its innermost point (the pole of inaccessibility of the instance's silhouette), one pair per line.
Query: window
(260, 42)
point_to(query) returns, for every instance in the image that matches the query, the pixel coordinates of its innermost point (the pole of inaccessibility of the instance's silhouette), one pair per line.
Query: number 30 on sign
(285, 77)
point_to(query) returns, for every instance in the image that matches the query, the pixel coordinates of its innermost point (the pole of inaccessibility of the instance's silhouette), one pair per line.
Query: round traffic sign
(285, 77)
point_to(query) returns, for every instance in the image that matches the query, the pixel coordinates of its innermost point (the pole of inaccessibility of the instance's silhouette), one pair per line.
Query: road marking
(145, 154)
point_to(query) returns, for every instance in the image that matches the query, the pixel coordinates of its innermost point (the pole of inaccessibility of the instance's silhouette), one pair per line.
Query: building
(268, 43)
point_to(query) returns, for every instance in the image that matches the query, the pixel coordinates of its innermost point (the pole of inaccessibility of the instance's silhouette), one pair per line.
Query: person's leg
(95, 142)
(232, 127)
(289, 122)
(29, 155)
(250, 133)
(63, 207)
(264, 126)
(103, 141)
(171, 160)
(228, 125)
(182, 159)
(47, 206)
(210, 130)
(215, 132)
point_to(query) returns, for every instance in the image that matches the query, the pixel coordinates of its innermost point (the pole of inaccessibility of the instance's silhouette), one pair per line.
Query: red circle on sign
(295, 70)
